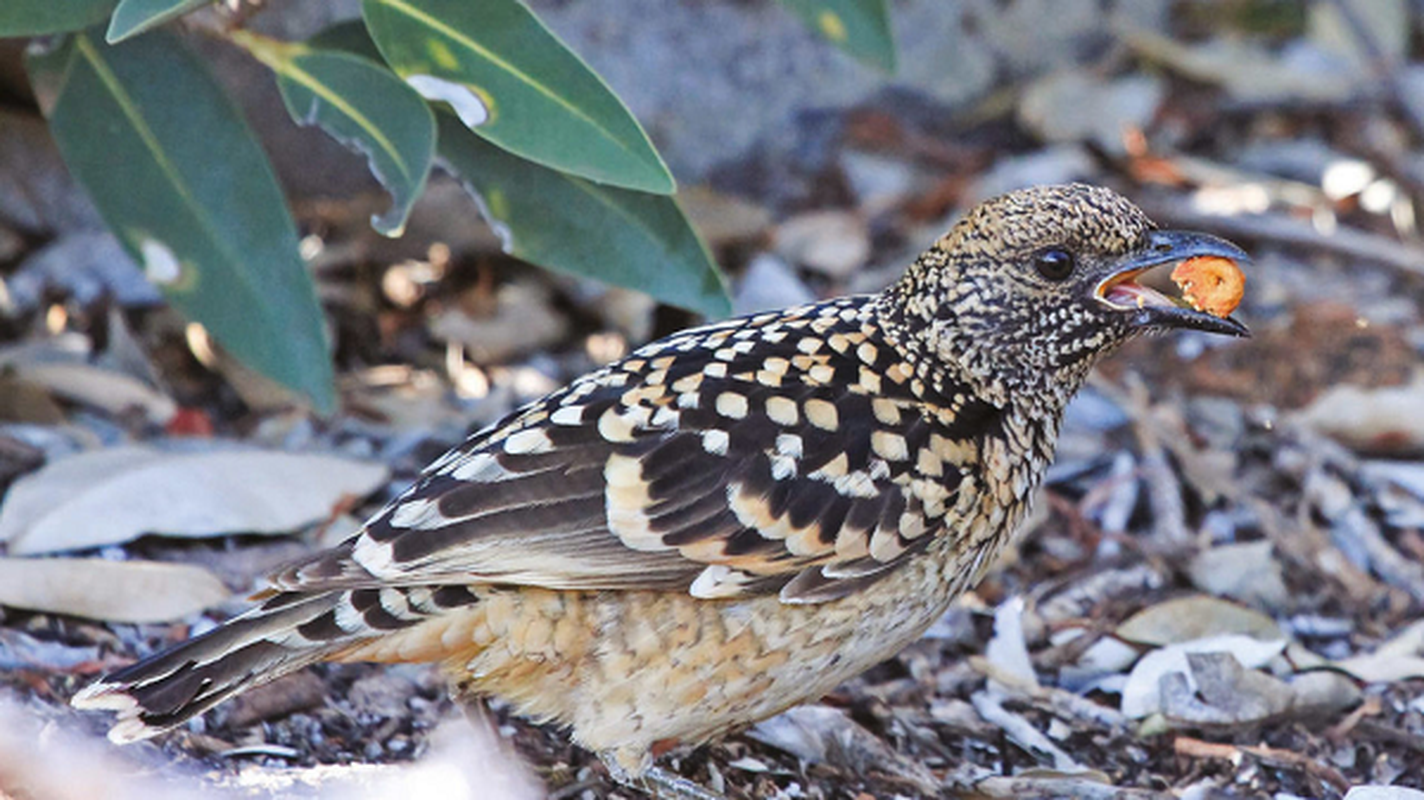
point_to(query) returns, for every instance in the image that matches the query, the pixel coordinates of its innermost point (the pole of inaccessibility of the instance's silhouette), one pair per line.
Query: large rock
(718, 81)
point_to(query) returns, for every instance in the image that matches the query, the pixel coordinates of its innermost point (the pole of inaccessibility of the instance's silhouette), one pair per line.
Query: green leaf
(361, 104)
(38, 17)
(173, 168)
(553, 219)
(348, 36)
(133, 17)
(859, 27)
(514, 83)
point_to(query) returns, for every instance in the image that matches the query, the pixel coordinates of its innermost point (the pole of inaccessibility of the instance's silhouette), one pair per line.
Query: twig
(1338, 732)
(1059, 702)
(576, 788)
(1276, 757)
(1303, 543)
(1359, 536)
(1164, 490)
(1386, 71)
(1349, 242)
(1379, 731)
(270, 750)
(1080, 597)
(1077, 788)
(1020, 731)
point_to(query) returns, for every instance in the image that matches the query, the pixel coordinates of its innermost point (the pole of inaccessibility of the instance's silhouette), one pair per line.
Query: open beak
(1149, 308)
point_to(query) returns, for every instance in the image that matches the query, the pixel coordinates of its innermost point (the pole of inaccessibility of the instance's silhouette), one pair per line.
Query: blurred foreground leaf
(179, 178)
(362, 105)
(133, 17)
(513, 82)
(859, 27)
(36, 17)
(553, 219)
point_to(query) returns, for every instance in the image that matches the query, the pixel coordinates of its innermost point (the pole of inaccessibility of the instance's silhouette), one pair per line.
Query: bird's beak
(1149, 308)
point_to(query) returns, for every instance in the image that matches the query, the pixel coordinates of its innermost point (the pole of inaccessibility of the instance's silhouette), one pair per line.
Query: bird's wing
(743, 458)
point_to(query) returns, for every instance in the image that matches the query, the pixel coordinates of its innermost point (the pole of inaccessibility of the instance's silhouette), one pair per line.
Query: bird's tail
(287, 632)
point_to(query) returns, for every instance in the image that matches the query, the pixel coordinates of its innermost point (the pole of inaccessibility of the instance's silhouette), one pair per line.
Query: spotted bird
(733, 519)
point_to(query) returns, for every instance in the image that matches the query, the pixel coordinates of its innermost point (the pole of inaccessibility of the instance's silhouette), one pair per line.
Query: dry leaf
(1247, 572)
(1247, 70)
(1225, 693)
(403, 398)
(834, 243)
(1397, 659)
(112, 392)
(522, 320)
(1190, 618)
(1007, 650)
(1385, 419)
(823, 735)
(1322, 694)
(112, 496)
(19, 650)
(60, 481)
(22, 401)
(298, 691)
(1142, 694)
(723, 219)
(114, 591)
(1077, 105)
(1384, 793)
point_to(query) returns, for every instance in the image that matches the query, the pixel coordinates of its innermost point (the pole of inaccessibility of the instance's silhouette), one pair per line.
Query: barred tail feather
(281, 636)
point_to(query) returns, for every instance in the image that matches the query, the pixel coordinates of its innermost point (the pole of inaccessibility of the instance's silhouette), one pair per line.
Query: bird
(731, 520)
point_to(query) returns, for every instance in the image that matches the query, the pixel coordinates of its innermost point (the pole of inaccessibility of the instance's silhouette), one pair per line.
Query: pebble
(769, 283)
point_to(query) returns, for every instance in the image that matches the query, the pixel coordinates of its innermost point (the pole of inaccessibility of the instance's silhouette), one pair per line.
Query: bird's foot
(658, 782)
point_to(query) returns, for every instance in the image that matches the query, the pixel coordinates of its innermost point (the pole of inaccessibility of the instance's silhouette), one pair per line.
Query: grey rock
(1061, 163)
(1076, 105)
(85, 264)
(1302, 160)
(1091, 410)
(878, 182)
(769, 283)
(37, 195)
(1031, 36)
(716, 81)
(1218, 420)
(1247, 572)
(380, 695)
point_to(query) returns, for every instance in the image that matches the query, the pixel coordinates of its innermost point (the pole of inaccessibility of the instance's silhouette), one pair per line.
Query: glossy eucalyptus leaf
(178, 176)
(513, 82)
(133, 17)
(553, 219)
(363, 105)
(39, 17)
(859, 27)
(348, 36)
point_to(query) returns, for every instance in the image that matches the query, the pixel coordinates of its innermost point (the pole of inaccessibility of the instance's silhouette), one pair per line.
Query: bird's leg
(656, 781)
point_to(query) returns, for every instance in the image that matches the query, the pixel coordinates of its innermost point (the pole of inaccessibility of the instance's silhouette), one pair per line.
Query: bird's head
(1030, 289)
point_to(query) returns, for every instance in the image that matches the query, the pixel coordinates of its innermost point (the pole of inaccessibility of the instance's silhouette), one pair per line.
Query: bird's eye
(1055, 263)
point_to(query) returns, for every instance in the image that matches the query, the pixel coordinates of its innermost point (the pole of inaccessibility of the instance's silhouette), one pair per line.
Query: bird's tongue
(1129, 293)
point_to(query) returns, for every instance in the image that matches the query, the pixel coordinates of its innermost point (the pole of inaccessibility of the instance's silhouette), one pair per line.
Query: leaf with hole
(361, 104)
(514, 83)
(178, 176)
